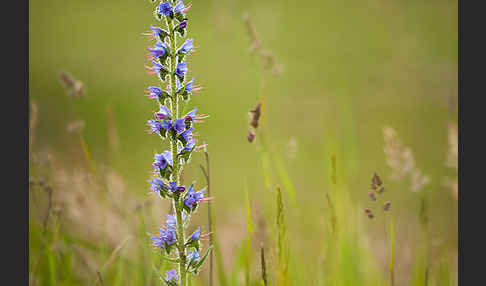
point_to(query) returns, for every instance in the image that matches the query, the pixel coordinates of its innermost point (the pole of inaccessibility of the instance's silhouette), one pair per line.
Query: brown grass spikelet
(73, 87)
(268, 60)
(255, 115)
(255, 42)
(75, 126)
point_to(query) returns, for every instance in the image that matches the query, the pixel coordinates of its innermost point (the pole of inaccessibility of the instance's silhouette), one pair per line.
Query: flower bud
(183, 24)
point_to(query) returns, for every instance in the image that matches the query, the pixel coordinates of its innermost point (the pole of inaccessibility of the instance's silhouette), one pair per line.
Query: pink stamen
(188, 7)
(201, 116)
(149, 34)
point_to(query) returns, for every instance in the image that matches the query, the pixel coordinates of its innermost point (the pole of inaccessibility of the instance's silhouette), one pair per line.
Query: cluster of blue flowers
(170, 65)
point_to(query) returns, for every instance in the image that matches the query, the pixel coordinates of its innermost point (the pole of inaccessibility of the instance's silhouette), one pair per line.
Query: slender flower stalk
(168, 62)
(376, 196)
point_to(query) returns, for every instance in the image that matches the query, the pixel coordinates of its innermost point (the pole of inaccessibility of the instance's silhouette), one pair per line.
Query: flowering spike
(178, 129)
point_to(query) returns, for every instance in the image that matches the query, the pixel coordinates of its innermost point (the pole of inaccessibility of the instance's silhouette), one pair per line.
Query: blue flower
(171, 276)
(172, 221)
(193, 198)
(166, 238)
(174, 188)
(186, 135)
(189, 86)
(193, 257)
(188, 148)
(157, 241)
(165, 8)
(178, 84)
(157, 185)
(154, 92)
(167, 125)
(156, 31)
(179, 8)
(155, 126)
(196, 235)
(159, 69)
(162, 160)
(164, 113)
(186, 47)
(179, 125)
(158, 50)
(181, 69)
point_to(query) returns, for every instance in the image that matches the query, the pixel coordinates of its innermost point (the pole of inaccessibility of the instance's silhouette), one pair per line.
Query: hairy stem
(175, 172)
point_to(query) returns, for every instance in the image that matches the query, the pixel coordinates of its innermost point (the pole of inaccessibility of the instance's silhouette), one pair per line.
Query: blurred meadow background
(347, 81)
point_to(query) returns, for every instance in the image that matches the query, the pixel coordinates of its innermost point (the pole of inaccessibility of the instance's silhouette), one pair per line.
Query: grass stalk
(206, 172)
(264, 269)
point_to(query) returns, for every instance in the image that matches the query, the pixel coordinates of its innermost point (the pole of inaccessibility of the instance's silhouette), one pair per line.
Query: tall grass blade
(207, 174)
(87, 154)
(287, 183)
(250, 231)
(282, 248)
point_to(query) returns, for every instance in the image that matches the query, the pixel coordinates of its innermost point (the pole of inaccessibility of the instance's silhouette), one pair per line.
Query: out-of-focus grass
(350, 68)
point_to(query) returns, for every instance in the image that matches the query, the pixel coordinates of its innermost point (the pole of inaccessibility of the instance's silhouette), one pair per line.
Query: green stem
(177, 203)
